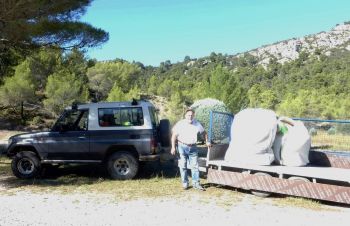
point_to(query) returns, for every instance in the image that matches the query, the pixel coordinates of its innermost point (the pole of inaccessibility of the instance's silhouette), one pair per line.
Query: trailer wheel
(299, 179)
(261, 194)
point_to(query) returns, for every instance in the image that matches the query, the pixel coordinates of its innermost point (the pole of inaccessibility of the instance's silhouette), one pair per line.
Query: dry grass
(331, 141)
(5, 134)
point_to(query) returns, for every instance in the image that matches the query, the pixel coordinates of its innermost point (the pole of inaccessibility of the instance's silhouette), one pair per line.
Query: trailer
(326, 178)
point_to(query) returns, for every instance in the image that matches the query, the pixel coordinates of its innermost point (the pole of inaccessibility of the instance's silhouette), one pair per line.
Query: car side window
(72, 120)
(153, 116)
(126, 116)
(83, 122)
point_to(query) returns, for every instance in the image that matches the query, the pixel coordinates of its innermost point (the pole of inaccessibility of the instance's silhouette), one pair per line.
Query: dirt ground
(26, 208)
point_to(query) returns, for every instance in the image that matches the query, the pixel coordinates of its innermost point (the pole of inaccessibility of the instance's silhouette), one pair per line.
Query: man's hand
(173, 151)
(208, 144)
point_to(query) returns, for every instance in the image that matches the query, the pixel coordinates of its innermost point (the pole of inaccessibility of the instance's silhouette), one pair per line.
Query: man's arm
(173, 143)
(207, 142)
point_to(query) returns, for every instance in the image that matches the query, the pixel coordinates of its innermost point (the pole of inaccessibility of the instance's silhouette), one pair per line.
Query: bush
(221, 126)
(313, 131)
(37, 121)
(331, 131)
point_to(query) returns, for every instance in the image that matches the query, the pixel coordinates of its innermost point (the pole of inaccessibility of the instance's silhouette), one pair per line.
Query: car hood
(29, 135)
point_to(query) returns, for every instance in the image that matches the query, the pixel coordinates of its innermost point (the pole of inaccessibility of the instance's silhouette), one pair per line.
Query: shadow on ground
(81, 174)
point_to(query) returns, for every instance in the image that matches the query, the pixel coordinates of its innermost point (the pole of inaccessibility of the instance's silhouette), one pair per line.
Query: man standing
(185, 132)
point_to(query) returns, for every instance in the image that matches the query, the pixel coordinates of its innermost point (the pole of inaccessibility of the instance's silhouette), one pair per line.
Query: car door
(69, 139)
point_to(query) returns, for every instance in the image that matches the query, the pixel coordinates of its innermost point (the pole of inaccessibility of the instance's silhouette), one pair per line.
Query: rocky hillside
(323, 42)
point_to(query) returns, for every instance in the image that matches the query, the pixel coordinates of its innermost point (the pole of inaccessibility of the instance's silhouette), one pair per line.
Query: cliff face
(323, 42)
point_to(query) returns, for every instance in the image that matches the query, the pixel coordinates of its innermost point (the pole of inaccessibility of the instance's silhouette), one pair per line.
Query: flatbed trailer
(326, 178)
(320, 182)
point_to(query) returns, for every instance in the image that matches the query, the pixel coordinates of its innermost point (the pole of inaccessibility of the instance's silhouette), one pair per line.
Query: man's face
(189, 116)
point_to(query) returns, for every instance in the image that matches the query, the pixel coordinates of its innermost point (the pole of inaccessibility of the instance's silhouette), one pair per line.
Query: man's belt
(190, 145)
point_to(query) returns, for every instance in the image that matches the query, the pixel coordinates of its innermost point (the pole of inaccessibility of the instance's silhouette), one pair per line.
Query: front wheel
(122, 165)
(26, 165)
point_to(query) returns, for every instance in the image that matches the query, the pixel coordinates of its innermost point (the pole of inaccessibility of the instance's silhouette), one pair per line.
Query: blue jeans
(188, 154)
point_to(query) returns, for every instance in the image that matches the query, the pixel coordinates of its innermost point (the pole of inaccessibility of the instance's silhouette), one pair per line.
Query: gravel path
(25, 208)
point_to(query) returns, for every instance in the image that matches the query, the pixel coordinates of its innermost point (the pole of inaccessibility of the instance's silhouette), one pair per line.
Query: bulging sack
(296, 145)
(252, 134)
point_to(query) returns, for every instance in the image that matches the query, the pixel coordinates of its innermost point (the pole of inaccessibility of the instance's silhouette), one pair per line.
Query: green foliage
(62, 89)
(134, 93)
(176, 107)
(314, 85)
(116, 94)
(40, 65)
(104, 75)
(26, 26)
(261, 98)
(17, 90)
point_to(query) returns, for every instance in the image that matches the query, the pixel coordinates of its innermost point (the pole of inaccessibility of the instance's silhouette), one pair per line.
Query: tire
(261, 194)
(303, 179)
(26, 165)
(122, 165)
(164, 132)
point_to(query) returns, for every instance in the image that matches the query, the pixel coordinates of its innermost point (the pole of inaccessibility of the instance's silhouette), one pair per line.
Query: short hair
(189, 109)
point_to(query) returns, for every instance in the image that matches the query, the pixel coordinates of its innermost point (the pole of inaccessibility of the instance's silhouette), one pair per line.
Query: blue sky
(153, 31)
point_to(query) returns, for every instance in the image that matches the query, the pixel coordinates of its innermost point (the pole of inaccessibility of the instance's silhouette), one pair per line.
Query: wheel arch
(21, 148)
(116, 148)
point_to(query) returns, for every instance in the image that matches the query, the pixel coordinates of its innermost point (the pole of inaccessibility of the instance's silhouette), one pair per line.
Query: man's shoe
(185, 186)
(198, 187)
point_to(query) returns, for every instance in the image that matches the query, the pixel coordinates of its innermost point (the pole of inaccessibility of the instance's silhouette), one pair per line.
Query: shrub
(221, 124)
(331, 131)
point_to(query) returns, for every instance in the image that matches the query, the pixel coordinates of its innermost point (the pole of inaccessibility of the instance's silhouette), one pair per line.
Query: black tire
(164, 132)
(26, 165)
(122, 165)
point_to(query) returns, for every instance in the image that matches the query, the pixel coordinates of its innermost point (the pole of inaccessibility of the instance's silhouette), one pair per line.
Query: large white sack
(296, 145)
(252, 134)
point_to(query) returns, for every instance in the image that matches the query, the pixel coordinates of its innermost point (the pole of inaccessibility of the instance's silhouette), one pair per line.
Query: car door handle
(81, 138)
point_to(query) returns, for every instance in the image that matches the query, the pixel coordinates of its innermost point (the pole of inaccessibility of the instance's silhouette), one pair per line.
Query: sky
(153, 31)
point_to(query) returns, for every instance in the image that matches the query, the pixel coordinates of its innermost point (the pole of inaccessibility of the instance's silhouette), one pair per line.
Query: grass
(302, 203)
(86, 179)
(331, 141)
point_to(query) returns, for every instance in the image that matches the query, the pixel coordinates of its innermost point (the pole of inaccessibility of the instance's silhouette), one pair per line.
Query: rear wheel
(26, 165)
(122, 165)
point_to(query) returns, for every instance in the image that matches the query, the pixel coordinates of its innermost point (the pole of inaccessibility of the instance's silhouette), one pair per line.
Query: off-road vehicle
(117, 134)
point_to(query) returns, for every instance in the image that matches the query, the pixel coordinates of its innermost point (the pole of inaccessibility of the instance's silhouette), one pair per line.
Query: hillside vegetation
(314, 84)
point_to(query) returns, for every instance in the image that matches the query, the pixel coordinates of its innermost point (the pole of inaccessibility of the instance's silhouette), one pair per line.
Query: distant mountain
(321, 43)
